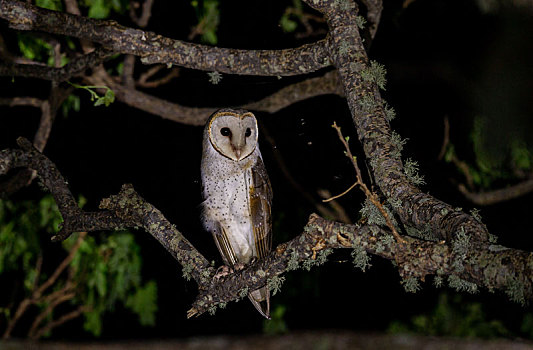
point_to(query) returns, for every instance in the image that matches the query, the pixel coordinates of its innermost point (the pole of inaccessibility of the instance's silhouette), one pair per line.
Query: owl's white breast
(226, 192)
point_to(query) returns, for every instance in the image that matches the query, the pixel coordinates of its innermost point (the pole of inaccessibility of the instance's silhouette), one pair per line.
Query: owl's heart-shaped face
(233, 135)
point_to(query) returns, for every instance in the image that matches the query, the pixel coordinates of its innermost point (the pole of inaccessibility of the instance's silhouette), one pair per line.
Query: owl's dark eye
(225, 131)
(248, 132)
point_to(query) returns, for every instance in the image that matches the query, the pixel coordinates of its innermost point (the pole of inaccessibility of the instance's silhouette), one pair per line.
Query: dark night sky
(444, 58)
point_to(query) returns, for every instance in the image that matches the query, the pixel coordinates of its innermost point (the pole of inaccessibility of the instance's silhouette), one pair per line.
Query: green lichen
(293, 263)
(410, 169)
(396, 203)
(390, 113)
(438, 282)
(320, 259)
(426, 233)
(460, 247)
(361, 22)
(367, 103)
(375, 73)
(397, 142)
(515, 290)
(212, 309)
(475, 214)
(186, 271)
(461, 285)
(361, 259)
(214, 77)
(411, 284)
(243, 292)
(274, 284)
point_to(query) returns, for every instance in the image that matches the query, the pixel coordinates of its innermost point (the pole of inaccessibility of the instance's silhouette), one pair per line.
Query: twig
(62, 266)
(369, 194)
(67, 317)
(53, 304)
(499, 195)
(340, 195)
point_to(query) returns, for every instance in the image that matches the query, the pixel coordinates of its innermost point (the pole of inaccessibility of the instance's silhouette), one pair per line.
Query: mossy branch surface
(348, 55)
(491, 266)
(154, 48)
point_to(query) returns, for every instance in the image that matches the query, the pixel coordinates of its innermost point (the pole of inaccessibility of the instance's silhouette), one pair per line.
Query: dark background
(444, 58)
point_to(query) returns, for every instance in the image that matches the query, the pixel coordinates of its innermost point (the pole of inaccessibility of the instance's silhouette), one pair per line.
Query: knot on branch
(128, 205)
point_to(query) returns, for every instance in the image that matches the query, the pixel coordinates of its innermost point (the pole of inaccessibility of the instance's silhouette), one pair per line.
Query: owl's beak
(238, 152)
(238, 145)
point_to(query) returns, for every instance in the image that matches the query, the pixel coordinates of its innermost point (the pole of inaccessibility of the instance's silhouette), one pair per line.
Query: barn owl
(237, 193)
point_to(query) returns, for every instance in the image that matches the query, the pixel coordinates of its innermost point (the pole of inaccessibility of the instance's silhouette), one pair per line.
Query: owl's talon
(222, 271)
(238, 266)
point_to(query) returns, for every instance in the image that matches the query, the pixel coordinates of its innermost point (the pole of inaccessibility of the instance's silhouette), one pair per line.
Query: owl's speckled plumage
(237, 193)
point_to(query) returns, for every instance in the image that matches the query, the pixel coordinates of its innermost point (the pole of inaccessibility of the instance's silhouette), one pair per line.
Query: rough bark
(467, 263)
(154, 48)
(349, 57)
(75, 67)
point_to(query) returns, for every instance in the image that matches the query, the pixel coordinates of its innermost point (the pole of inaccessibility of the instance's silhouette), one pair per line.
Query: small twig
(497, 196)
(369, 194)
(174, 73)
(67, 317)
(62, 266)
(342, 194)
(47, 311)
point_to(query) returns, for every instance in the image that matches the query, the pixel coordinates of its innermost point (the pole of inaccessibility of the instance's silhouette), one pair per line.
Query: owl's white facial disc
(233, 135)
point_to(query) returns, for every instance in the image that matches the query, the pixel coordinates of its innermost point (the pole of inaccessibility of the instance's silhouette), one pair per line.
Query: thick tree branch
(153, 48)
(75, 67)
(75, 220)
(349, 57)
(467, 266)
(467, 263)
(312, 87)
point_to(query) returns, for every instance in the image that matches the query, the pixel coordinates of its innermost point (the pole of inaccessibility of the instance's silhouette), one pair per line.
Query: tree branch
(326, 84)
(416, 208)
(497, 196)
(154, 48)
(467, 262)
(75, 67)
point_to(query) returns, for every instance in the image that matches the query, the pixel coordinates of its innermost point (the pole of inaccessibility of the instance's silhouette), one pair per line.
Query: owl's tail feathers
(261, 300)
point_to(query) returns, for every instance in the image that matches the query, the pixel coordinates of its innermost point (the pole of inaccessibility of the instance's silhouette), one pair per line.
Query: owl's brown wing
(260, 202)
(224, 247)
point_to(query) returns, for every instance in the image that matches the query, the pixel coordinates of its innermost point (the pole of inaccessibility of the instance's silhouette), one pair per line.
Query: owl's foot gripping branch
(466, 264)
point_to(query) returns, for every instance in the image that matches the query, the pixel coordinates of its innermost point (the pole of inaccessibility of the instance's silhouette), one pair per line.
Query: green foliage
(144, 303)
(108, 272)
(454, 317)
(287, 24)
(19, 227)
(105, 271)
(72, 102)
(54, 5)
(276, 325)
(208, 17)
(506, 158)
(38, 50)
(101, 9)
(107, 99)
